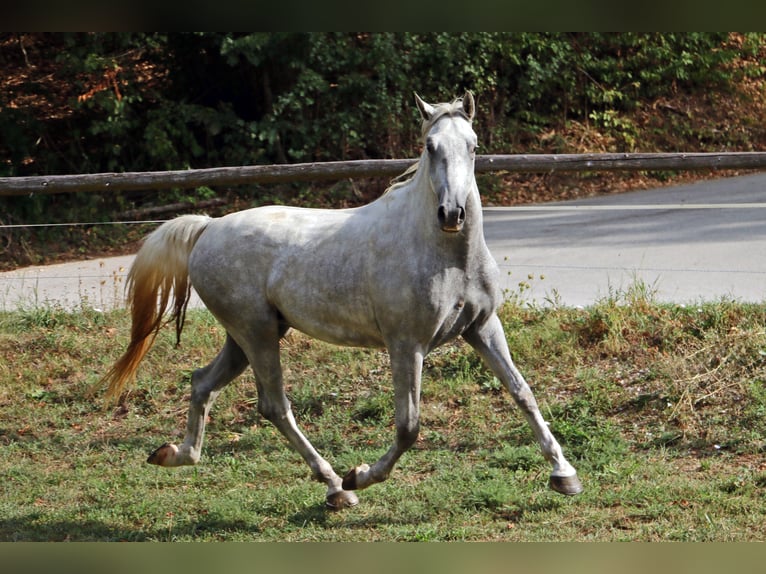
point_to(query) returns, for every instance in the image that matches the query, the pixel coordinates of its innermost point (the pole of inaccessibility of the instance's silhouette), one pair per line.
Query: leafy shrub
(152, 101)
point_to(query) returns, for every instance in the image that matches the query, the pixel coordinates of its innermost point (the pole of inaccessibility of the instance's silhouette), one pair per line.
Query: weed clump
(693, 373)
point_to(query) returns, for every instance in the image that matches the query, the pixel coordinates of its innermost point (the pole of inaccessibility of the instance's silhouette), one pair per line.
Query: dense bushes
(155, 101)
(150, 101)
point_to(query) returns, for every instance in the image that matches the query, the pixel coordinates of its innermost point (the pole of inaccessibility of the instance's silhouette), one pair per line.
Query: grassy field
(662, 409)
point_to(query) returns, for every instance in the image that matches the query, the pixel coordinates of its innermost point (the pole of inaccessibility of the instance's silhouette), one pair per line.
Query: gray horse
(409, 272)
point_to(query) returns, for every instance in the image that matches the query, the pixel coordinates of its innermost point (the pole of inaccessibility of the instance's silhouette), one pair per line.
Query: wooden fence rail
(337, 170)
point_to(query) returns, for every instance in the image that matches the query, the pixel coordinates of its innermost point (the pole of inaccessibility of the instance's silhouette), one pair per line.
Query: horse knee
(524, 398)
(272, 411)
(201, 386)
(407, 434)
(199, 396)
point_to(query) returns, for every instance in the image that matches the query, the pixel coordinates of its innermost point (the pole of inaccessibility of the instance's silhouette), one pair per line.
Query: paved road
(688, 243)
(695, 242)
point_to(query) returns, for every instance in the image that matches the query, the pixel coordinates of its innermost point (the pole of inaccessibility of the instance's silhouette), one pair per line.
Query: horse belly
(345, 334)
(332, 316)
(325, 297)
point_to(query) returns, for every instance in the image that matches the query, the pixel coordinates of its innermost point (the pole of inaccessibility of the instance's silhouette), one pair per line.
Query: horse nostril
(451, 220)
(442, 214)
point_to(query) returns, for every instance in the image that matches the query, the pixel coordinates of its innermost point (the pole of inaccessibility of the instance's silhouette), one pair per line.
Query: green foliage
(158, 101)
(210, 99)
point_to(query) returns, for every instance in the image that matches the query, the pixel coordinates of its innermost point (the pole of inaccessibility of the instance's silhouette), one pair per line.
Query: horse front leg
(207, 384)
(406, 368)
(274, 406)
(489, 341)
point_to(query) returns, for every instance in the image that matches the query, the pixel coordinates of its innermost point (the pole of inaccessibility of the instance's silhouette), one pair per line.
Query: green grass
(662, 408)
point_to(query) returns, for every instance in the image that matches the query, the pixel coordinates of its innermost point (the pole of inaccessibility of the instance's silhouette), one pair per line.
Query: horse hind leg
(207, 383)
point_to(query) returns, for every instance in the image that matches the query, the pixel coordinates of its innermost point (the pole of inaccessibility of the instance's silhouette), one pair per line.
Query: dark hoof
(341, 499)
(569, 485)
(159, 456)
(349, 480)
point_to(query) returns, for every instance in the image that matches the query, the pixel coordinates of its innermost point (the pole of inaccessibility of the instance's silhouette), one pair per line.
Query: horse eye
(430, 145)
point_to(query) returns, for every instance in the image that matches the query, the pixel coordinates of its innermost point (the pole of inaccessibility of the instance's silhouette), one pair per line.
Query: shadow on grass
(318, 514)
(37, 527)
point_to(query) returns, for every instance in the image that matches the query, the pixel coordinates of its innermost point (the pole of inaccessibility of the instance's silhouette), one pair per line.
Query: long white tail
(161, 268)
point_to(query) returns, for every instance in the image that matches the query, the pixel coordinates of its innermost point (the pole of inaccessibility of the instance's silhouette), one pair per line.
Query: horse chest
(459, 305)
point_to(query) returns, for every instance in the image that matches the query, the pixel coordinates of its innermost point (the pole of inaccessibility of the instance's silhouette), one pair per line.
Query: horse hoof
(341, 499)
(350, 479)
(163, 455)
(569, 485)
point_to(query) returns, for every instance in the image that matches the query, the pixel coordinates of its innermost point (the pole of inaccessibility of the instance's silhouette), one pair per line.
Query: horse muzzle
(451, 220)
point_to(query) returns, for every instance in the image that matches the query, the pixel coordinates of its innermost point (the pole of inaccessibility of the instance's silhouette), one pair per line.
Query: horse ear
(469, 106)
(426, 110)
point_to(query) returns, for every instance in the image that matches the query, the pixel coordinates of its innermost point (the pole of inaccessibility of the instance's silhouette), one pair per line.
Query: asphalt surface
(686, 244)
(704, 241)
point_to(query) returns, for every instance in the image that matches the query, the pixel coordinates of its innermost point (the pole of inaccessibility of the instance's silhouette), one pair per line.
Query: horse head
(450, 148)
